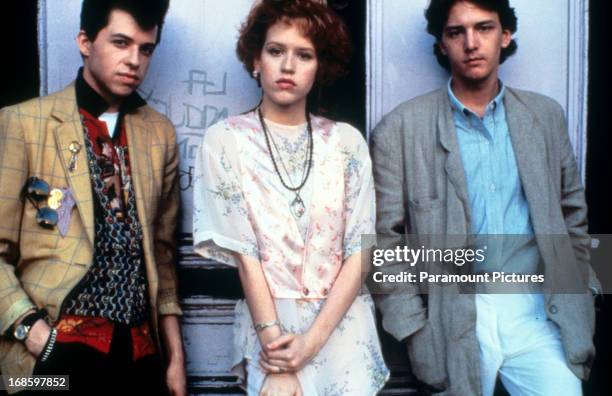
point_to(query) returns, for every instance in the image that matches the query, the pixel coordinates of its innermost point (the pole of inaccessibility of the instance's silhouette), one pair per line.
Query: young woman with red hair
(285, 196)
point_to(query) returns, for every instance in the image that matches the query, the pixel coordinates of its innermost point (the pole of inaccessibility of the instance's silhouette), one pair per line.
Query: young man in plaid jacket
(88, 202)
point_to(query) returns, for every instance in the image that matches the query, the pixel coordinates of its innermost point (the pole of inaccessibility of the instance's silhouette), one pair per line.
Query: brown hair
(320, 24)
(437, 16)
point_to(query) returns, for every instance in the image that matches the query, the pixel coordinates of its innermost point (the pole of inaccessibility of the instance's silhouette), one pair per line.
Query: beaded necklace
(297, 206)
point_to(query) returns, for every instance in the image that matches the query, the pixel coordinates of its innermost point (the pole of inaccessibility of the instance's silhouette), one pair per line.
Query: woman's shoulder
(348, 135)
(246, 122)
(230, 128)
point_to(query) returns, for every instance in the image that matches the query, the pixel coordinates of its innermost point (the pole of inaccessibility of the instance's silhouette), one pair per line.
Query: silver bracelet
(49, 347)
(261, 326)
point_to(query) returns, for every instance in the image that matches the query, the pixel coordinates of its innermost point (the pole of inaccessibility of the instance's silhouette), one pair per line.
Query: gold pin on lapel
(74, 148)
(55, 199)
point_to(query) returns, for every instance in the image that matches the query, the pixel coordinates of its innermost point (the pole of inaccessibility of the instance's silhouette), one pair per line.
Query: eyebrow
(128, 38)
(283, 45)
(479, 23)
(121, 36)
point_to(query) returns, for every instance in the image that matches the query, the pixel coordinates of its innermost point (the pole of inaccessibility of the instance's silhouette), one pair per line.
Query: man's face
(116, 62)
(473, 39)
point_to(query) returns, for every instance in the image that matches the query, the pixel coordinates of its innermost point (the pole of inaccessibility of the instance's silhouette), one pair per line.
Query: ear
(83, 43)
(442, 48)
(257, 64)
(506, 38)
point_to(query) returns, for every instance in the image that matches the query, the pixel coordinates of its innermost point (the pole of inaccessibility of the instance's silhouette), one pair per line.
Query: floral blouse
(241, 206)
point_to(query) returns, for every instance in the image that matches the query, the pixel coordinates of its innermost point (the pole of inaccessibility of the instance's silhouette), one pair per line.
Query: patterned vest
(115, 286)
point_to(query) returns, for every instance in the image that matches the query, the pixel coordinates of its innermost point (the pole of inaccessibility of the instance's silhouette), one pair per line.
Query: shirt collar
(89, 100)
(492, 106)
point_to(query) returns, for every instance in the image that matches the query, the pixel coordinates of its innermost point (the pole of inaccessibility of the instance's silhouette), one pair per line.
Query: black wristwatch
(22, 329)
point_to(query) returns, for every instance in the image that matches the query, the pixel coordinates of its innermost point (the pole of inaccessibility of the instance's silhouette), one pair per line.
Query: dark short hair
(147, 13)
(321, 25)
(437, 16)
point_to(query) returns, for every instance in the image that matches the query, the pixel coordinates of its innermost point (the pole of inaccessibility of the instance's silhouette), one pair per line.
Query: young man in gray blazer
(478, 157)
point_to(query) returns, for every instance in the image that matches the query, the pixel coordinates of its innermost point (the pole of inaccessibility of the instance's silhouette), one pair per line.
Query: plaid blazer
(39, 267)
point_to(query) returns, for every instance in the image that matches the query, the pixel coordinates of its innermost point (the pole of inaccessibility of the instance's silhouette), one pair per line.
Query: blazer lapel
(71, 130)
(139, 141)
(448, 140)
(141, 170)
(530, 153)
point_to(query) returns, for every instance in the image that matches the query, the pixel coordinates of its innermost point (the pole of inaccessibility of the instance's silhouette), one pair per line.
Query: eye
(147, 50)
(453, 33)
(305, 56)
(485, 28)
(275, 51)
(120, 43)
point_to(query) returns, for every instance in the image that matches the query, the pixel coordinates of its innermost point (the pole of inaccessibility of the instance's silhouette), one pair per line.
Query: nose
(133, 57)
(288, 63)
(471, 40)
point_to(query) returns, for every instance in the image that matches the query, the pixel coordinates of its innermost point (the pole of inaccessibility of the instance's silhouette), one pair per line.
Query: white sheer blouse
(241, 206)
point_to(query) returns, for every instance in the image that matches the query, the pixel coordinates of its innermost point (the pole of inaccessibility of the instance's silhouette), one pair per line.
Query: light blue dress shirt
(497, 199)
(511, 320)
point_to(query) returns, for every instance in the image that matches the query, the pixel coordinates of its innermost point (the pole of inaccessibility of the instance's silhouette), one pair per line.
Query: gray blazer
(421, 189)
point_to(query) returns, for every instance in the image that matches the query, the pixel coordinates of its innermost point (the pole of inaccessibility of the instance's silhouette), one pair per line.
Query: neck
(476, 95)
(294, 114)
(112, 101)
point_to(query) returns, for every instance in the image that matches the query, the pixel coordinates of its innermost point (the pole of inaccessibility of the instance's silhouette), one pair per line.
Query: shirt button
(305, 291)
(492, 188)
(325, 291)
(553, 309)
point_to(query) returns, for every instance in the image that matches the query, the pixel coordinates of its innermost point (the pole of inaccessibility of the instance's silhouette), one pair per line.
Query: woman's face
(287, 66)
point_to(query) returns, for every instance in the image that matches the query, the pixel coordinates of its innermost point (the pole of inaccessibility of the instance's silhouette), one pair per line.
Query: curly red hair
(321, 25)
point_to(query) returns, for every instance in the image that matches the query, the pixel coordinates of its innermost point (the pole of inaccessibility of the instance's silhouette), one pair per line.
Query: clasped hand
(287, 353)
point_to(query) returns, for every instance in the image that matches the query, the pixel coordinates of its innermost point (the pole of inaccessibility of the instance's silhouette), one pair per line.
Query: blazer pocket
(426, 359)
(425, 204)
(426, 216)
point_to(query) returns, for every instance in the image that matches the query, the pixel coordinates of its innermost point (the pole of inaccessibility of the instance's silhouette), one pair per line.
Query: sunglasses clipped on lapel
(40, 195)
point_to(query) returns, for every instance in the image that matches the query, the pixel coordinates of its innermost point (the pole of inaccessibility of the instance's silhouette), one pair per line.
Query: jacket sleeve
(400, 303)
(165, 232)
(13, 173)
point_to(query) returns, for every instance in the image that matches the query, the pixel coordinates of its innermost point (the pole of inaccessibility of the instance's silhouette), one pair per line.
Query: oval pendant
(297, 207)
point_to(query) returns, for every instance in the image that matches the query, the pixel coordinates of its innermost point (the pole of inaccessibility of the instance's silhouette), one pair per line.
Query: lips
(285, 83)
(474, 61)
(129, 79)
